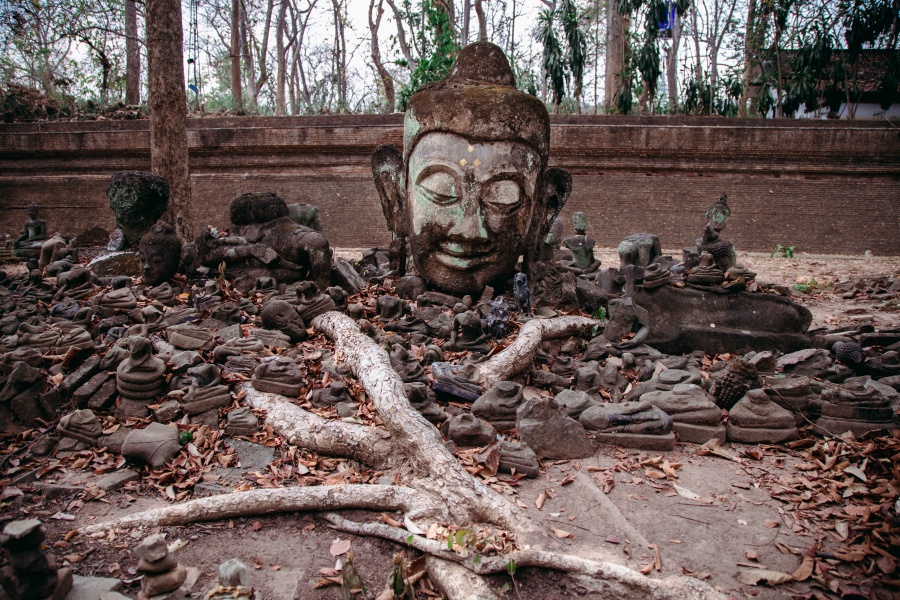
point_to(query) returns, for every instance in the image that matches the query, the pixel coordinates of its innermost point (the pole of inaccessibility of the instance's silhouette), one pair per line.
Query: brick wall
(823, 187)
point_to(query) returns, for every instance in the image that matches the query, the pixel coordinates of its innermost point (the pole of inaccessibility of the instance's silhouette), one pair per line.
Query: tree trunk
(280, 104)
(466, 19)
(482, 22)
(237, 99)
(672, 65)
(615, 54)
(168, 109)
(749, 53)
(132, 55)
(249, 61)
(387, 82)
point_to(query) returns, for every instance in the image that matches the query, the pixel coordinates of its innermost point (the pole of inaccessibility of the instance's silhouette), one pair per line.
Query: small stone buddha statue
(582, 247)
(28, 245)
(140, 377)
(471, 190)
(467, 334)
(707, 272)
(160, 253)
(310, 302)
(407, 366)
(280, 376)
(722, 250)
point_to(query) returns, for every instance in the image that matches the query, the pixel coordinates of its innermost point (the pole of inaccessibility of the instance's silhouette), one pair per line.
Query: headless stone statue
(582, 247)
(266, 242)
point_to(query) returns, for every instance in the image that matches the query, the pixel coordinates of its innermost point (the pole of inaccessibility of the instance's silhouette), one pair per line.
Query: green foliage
(439, 48)
(185, 437)
(563, 66)
(785, 251)
(809, 286)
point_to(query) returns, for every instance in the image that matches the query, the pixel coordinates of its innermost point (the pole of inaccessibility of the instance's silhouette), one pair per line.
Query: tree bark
(281, 61)
(168, 110)
(615, 54)
(482, 22)
(132, 55)
(387, 82)
(672, 65)
(267, 501)
(749, 53)
(237, 99)
(466, 19)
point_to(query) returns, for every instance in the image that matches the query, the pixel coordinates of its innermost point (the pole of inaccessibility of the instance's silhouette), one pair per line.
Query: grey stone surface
(92, 588)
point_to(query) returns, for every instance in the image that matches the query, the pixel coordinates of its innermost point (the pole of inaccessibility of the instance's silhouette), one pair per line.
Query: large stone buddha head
(471, 190)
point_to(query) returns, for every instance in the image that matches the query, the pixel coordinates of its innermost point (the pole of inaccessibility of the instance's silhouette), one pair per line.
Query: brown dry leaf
(256, 525)
(770, 524)
(327, 581)
(339, 547)
(539, 503)
(751, 555)
(701, 575)
(614, 539)
(805, 570)
(561, 533)
(671, 468)
(654, 474)
(655, 564)
(757, 576)
(390, 521)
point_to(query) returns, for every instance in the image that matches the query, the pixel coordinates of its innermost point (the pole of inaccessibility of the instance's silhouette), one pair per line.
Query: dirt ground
(710, 516)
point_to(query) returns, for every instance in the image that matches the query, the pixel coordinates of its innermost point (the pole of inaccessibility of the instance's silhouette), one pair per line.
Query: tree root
(368, 445)
(428, 463)
(457, 582)
(519, 355)
(266, 501)
(619, 581)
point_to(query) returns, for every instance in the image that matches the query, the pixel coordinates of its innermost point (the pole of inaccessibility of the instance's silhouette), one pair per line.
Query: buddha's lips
(463, 256)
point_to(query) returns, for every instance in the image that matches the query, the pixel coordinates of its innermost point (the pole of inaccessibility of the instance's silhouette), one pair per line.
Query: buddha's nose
(470, 224)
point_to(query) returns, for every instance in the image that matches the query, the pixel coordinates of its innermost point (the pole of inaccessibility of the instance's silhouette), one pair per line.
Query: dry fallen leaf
(757, 576)
(561, 533)
(805, 570)
(751, 555)
(685, 493)
(539, 503)
(412, 527)
(339, 547)
(770, 524)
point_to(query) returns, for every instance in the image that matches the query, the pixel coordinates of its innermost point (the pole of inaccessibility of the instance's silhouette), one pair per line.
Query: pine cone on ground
(736, 380)
(849, 353)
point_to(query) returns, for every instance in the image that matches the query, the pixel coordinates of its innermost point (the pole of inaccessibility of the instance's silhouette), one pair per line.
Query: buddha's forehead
(451, 148)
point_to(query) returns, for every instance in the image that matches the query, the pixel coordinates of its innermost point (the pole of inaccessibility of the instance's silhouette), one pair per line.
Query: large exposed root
(430, 465)
(619, 581)
(519, 355)
(266, 501)
(369, 445)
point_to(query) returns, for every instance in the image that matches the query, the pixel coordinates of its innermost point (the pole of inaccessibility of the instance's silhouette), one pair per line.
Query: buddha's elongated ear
(557, 187)
(387, 169)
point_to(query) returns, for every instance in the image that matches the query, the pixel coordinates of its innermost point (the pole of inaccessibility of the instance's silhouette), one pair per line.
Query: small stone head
(579, 223)
(160, 253)
(717, 214)
(554, 236)
(471, 190)
(33, 211)
(281, 316)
